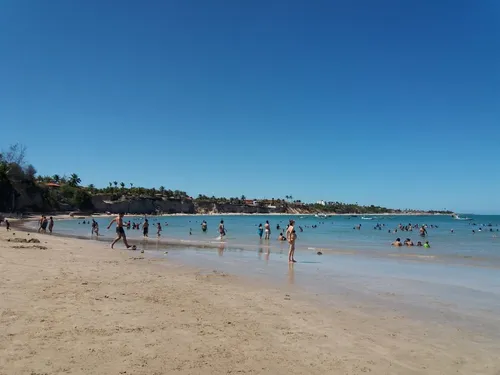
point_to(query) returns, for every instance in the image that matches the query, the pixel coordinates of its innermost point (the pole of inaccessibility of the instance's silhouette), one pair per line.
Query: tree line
(19, 181)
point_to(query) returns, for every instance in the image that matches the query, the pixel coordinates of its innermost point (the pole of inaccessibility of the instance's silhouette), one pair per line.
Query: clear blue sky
(384, 102)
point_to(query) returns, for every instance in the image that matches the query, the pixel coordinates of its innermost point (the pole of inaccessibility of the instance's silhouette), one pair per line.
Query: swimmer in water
(426, 245)
(397, 243)
(204, 226)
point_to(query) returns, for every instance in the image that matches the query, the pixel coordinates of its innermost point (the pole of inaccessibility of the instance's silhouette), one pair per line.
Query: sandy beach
(71, 306)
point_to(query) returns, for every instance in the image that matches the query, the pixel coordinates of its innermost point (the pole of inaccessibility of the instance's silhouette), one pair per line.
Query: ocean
(476, 240)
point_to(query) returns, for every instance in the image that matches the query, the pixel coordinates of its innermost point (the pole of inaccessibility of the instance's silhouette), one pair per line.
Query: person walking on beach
(51, 224)
(291, 236)
(95, 228)
(222, 229)
(43, 227)
(120, 232)
(158, 230)
(267, 230)
(40, 223)
(7, 224)
(145, 228)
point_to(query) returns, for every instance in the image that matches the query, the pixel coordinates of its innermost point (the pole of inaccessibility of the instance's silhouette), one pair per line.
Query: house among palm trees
(52, 185)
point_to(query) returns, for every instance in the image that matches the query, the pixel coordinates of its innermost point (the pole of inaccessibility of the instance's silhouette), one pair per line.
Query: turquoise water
(333, 234)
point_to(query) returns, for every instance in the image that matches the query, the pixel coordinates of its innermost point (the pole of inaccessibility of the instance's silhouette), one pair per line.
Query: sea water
(475, 240)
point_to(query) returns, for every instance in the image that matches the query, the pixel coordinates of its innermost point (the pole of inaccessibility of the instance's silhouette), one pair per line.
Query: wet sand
(78, 307)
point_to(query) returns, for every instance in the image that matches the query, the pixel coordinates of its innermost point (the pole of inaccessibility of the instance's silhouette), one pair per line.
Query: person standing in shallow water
(222, 229)
(291, 236)
(267, 230)
(120, 232)
(51, 224)
(145, 228)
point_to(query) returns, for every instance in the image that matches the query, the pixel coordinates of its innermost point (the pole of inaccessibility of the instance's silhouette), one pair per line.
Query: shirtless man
(145, 228)
(267, 230)
(120, 232)
(291, 236)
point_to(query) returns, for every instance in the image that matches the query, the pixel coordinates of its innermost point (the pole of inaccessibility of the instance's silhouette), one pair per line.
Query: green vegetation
(22, 189)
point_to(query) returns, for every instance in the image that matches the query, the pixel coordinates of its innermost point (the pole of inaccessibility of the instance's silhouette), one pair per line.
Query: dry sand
(78, 307)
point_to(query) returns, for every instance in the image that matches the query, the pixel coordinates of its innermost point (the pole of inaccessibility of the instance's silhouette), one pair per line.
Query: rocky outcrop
(141, 205)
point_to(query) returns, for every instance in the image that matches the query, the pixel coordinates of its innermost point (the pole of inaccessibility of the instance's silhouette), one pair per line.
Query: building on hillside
(323, 203)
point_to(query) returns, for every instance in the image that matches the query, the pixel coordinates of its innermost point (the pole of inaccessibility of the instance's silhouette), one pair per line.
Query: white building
(323, 203)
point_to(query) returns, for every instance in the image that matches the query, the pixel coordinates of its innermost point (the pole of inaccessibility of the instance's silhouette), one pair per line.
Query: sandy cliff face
(215, 208)
(103, 203)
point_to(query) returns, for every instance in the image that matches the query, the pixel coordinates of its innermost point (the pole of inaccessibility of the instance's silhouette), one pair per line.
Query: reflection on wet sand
(291, 273)
(221, 249)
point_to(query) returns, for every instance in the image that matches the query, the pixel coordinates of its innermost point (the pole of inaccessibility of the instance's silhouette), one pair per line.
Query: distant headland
(22, 189)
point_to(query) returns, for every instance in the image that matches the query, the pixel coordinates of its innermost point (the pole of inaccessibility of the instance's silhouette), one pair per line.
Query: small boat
(366, 218)
(322, 216)
(456, 217)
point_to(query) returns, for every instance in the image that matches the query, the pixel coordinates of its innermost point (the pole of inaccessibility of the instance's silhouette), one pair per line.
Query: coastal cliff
(142, 205)
(207, 207)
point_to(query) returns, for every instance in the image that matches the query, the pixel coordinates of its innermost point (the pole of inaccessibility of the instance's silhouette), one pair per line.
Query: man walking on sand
(120, 232)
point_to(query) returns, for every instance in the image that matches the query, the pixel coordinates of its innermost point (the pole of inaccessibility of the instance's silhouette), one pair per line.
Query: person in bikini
(267, 230)
(120, 231)
(291, 236)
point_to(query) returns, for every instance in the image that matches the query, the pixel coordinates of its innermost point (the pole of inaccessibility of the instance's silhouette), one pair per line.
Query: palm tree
(122, 185)
(110, 184)
(115, 183)
(162, 189)
(131, 185)
(287, 197)
(74, 180)
(56, 178)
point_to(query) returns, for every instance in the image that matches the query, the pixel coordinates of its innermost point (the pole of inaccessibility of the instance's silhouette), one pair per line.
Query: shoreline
(157, 316)
(59, 215)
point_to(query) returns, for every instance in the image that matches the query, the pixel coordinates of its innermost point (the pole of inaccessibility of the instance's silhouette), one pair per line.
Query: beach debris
(287, 297)
(30, 247)
(85, 283)
(319, 253)
(166, 252)
(142, 251)
(34, 240)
